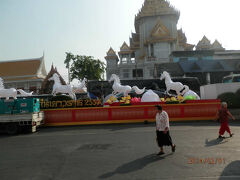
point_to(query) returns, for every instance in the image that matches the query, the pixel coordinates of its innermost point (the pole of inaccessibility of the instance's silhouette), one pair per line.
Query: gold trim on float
(130, 106)
(129, 121)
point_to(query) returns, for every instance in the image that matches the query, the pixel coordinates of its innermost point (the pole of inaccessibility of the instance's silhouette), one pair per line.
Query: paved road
(120, 152)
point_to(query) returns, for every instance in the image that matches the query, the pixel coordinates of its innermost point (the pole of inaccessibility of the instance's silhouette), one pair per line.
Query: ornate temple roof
(134, 45)
(217, 46)
(125, 49)
(203, 44)
(111, 54)
(156, 7)
(134, 41)
(182, 40)
(25, 69)
(136, 37)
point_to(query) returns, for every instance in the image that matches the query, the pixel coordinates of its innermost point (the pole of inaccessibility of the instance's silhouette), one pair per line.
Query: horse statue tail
(137, 90)
(184, 90)
(23, 93)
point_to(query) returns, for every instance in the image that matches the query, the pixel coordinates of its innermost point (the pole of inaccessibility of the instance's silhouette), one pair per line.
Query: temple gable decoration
(125, 49)
(111, 55)
(217, 46)
(160, 31)
(204, 44)
(111, 52)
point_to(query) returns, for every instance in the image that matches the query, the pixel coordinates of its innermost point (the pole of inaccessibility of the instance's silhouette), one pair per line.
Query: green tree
(84, 66)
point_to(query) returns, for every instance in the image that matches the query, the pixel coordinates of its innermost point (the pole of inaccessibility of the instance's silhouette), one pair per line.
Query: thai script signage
(69, 103)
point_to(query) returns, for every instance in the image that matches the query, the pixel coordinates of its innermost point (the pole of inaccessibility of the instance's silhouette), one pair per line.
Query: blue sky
(90, 27)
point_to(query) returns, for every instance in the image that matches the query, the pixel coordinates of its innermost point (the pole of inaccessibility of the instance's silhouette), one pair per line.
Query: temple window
(133, 60)
(124, 60)
(133, 57)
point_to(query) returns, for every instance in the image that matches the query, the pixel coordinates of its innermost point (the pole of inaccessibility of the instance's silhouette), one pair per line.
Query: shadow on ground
(134, 165)
(231, 171)
(215, 142)
(111, 127)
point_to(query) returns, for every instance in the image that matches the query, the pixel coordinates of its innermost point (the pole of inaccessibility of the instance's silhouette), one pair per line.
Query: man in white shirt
(162, 130)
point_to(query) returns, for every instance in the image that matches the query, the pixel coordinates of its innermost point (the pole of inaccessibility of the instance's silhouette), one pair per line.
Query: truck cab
(231, 78)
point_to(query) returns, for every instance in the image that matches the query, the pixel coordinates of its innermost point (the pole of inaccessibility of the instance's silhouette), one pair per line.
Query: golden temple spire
(157, 7)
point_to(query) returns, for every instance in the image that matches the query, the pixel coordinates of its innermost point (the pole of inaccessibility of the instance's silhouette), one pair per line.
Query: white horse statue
(118, 88)
(11, 92)
(170, 85)
(7, 93)
(81, 86)
(59, 88)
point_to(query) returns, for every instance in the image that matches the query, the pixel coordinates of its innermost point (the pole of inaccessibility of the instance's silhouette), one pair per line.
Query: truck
(20, 115)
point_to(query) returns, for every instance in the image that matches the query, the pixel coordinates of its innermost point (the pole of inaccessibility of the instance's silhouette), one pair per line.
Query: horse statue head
(55, 78)
(164, 75)
(114, 78)
(1, 83)
(84, 81)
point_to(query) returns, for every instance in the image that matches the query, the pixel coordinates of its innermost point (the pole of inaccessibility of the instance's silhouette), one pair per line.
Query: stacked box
(16, 106)
(28, 105)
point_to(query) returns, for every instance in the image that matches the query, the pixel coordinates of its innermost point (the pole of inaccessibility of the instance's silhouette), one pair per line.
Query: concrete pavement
(120, 152)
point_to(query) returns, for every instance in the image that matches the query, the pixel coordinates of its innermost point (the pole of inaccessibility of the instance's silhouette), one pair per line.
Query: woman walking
(162, 130)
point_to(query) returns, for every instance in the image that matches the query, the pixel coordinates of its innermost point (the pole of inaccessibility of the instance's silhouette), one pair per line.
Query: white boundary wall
(212, 91)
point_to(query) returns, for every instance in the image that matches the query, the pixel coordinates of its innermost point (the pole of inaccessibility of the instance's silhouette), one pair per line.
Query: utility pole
(69, 74)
